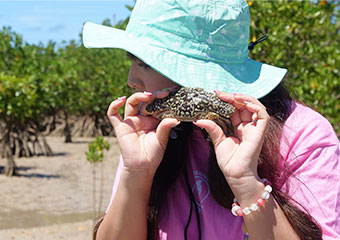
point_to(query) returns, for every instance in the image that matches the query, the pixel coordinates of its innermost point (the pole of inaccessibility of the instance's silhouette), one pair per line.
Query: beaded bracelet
(238, 211)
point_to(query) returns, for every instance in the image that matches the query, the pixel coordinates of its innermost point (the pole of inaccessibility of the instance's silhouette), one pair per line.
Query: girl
(276, 177)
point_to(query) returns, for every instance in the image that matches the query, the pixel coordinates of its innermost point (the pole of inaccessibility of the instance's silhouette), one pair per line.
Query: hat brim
(250, 77)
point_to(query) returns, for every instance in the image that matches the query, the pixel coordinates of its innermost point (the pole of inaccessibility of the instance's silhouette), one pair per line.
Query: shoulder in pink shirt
(310, 149)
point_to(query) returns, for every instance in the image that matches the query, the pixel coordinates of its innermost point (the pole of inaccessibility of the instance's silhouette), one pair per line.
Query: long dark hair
(279, 106)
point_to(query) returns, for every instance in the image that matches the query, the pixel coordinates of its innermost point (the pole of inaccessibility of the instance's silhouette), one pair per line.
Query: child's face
(144, 78)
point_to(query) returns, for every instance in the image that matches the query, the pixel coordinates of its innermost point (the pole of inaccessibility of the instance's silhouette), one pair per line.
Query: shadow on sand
(20, 172)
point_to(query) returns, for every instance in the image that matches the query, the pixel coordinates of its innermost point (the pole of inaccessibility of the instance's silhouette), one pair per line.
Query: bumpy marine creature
(190, 104)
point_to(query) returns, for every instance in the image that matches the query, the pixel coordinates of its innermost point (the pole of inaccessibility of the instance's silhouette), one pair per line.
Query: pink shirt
(311, 150)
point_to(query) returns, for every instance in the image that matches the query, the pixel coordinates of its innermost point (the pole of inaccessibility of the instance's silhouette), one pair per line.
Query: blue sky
(41, 21)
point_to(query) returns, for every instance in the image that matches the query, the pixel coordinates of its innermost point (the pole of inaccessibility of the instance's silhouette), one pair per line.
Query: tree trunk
(17, 147)
(96, 125)
(83, 127)
(67, 130)
(25, 145)
(37, 149)
(47, 150)
(9, 169)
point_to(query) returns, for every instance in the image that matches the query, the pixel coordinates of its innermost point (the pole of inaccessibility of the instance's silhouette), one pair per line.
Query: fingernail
(166, 89)
(121, 98)
(148, 93)
(175, 124)
(248, 103)
(217, 92)
(195, 123)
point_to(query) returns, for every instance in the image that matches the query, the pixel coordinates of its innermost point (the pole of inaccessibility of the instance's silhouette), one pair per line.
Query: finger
(246, 115)
(155, 95)
(132, 103)
(247, 99)
(230, 98)
(163, 130)
(113, 111)
(260, 116)
(215, 132)
(242, 103)
(252, 103)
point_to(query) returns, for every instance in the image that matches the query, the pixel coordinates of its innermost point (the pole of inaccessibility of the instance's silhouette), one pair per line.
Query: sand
(52, 196)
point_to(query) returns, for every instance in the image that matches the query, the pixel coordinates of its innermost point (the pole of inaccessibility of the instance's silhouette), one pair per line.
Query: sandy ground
(52, 196)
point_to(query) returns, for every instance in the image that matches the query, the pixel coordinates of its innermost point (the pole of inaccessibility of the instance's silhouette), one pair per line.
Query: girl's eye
(143, 65)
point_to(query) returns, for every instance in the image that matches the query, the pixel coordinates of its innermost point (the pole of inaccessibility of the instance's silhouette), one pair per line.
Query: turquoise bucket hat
(195, 43)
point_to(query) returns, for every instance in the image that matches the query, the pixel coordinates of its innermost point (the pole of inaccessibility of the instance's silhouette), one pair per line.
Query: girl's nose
(135, 83)
(131, 83)
(133, 79)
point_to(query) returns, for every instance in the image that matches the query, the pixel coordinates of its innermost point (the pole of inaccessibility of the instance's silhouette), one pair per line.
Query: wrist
(137, 179)
(247, 190)
(237, 210)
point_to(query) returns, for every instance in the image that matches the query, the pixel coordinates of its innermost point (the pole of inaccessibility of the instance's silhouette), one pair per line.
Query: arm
(269, 221)
(127, 215)
(273, 223)
(142, 141)
(237, 157)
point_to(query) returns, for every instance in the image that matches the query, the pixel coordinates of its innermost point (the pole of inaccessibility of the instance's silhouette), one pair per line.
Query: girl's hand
(142, 139)
(238, 156)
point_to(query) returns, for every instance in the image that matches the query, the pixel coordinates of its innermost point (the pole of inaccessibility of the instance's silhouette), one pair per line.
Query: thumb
(215, 132)
(163, 130)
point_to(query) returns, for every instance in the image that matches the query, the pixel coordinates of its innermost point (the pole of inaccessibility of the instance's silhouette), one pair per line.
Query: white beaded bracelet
(238, 211)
